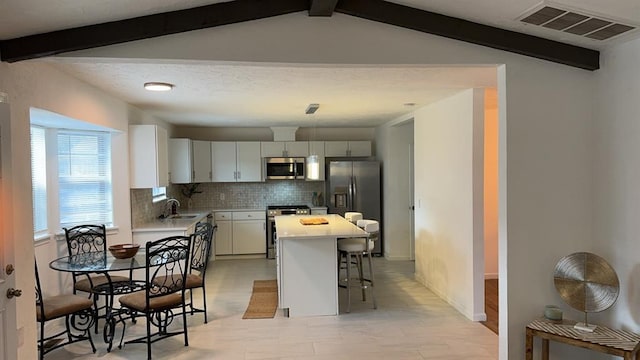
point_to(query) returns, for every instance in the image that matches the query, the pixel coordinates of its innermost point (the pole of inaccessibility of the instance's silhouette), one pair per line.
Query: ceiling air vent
(575, 22)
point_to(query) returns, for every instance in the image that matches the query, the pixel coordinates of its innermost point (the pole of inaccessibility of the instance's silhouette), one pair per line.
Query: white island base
(307, 263)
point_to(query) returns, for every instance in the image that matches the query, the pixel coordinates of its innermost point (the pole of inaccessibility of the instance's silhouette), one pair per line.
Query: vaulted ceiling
(41, 28)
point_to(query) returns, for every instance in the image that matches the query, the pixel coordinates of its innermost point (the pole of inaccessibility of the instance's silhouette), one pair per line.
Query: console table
(605, 340)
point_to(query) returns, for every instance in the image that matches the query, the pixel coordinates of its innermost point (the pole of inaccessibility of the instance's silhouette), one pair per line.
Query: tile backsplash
(227, 196)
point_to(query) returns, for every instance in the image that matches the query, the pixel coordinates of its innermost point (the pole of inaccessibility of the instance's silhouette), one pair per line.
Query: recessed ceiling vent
(575, 22)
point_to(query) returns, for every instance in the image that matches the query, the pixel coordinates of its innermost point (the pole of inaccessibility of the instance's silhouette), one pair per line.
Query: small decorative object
(124, 251)
(552, 312)
(188, 190)
(320, 199)
(587, 283)
(314, 199)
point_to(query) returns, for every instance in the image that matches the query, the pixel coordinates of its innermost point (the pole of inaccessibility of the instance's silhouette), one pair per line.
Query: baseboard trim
(396, 257)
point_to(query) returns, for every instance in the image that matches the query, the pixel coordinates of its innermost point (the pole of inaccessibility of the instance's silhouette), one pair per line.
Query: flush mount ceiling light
(311, 108)
(158, 86)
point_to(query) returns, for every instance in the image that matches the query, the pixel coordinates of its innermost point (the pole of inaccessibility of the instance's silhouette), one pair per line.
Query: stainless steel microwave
(284, 168)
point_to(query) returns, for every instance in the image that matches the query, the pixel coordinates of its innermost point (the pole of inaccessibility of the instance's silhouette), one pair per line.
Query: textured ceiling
(247, 95)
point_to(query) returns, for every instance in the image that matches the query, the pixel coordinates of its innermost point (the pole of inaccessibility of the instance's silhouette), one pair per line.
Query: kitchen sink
(182, 216)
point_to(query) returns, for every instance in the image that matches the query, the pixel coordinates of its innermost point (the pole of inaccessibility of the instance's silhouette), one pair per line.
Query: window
(159, 193)
(39, 179)
(84, 177)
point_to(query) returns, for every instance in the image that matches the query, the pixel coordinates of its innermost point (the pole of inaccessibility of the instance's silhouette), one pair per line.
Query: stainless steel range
(276, 210)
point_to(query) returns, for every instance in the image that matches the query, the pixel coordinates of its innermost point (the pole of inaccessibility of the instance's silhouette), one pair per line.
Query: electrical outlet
(222, 196)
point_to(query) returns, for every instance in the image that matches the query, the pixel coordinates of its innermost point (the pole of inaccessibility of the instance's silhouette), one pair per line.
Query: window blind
(84, 175)
(39, 178)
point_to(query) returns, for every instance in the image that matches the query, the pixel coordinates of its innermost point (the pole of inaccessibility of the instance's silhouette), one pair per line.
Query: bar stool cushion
(369, 226)
(354, 244)
(353, 216)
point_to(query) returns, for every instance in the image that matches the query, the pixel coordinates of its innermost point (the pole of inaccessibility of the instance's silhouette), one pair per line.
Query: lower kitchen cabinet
(224, 237)
(142, 237)
(240, 232)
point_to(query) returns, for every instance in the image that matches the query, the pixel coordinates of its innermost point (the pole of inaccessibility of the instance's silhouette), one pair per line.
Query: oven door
(271, 237)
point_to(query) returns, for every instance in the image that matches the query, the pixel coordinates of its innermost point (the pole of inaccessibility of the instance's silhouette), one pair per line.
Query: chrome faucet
(171, 206)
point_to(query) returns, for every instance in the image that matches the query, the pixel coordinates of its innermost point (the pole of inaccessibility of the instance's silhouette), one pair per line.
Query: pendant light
(313, 163)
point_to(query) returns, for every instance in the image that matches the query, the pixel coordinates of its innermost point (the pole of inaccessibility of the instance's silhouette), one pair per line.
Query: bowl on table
(124, 251)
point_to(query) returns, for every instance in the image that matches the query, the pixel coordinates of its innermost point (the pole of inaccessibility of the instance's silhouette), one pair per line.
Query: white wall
(617, 177)
(394, 144)
(545, 123)
(445, 196)
(30, 84)
(491, 184)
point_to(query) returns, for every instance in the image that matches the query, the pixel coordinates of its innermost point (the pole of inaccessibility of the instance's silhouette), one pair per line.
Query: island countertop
(289, 227)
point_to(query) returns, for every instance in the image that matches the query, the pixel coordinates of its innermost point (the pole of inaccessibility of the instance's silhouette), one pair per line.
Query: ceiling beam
(144, 27)
(322, 7)
(459, 29)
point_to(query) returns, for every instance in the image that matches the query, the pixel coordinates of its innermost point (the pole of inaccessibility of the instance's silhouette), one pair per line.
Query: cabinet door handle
(239, 175)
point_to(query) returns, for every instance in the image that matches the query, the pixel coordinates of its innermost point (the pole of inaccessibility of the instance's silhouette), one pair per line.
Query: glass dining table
(105, 264)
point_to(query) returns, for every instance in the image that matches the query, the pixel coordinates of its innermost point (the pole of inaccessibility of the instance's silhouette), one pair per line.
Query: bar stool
(353, 216)
(355, 249)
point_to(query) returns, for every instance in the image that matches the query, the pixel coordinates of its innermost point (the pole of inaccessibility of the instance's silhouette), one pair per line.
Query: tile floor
(410, 323)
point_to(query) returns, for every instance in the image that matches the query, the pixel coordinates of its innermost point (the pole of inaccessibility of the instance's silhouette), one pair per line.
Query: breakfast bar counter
(307, 262)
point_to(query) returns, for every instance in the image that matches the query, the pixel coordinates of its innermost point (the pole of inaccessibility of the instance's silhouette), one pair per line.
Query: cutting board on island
(314, 221)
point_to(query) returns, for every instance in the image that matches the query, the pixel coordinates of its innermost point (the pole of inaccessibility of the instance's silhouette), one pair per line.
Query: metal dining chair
(200, 252)
(77, 311)
(167, 264)
(83, 239)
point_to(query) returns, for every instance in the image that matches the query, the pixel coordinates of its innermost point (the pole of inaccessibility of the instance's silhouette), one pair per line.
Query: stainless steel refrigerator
(355, 186)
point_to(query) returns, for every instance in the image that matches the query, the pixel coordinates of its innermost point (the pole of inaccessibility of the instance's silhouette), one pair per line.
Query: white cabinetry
(189, 161)
(285, 149)
(236, 161)
(224, 234)
(240, 232)
(347, 148)
(180, 161)
(249, 229)
(142, 237)
(202, 171)
(148, 156)
(319, 211)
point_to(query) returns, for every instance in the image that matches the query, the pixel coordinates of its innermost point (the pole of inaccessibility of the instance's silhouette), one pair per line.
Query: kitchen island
(307, 263)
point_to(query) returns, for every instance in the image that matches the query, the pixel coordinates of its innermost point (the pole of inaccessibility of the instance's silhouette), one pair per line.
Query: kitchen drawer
(222, 215)
(249, 215)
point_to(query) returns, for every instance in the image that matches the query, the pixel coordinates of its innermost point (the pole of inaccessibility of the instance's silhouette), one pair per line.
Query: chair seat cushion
(354, 244)
(193, 280)
(61, 305)
(85, 285)
(137, 301)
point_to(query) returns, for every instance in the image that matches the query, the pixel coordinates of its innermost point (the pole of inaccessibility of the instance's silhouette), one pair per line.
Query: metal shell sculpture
(586, 282)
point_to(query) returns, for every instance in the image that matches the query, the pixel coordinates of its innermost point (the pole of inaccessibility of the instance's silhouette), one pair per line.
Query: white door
(412, 213)
(8, 337)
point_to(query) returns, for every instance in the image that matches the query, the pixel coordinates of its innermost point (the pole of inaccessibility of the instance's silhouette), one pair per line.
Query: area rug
(264, 300)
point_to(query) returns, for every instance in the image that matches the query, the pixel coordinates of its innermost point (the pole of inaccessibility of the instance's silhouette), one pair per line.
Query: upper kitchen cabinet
(189, 161)
(236, 161)
(180, 161)
(202, 171)
(148, 156)
(347, 148)
(285, 149)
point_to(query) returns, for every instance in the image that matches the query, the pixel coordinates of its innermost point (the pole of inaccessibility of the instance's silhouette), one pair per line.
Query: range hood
(284, 133)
